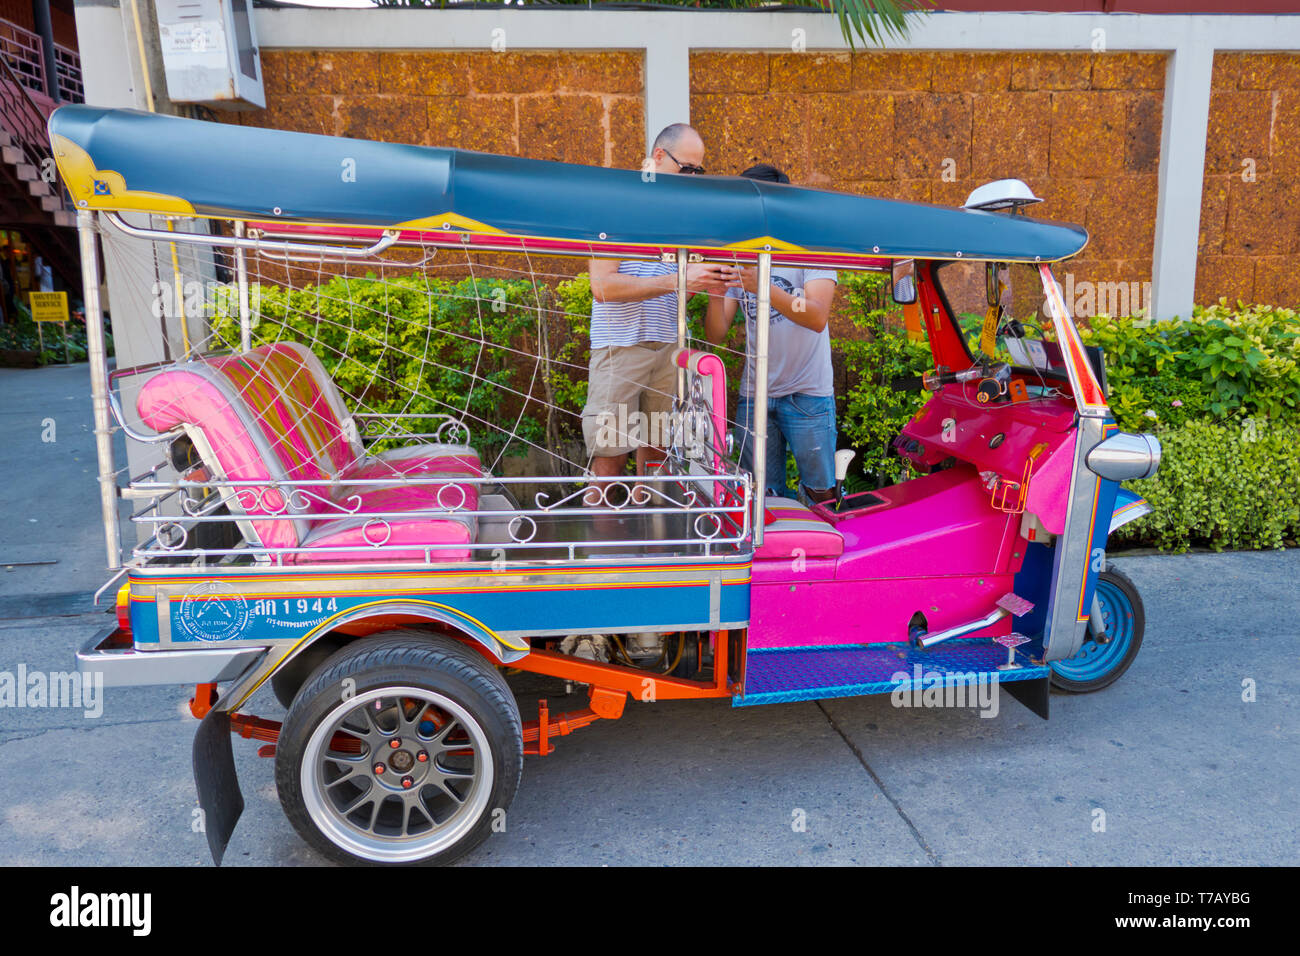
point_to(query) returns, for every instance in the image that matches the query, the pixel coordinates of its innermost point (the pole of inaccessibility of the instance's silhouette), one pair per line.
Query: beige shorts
(630, 391)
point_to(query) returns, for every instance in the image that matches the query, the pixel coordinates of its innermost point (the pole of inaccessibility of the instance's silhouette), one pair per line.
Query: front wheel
(401, 749)
(1100, 665)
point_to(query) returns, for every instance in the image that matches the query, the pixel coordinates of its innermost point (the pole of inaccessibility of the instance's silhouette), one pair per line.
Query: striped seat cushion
(791, 525)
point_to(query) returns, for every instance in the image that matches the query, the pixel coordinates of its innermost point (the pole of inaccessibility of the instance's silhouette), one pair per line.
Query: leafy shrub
(23, 334)
(1218, 363)
(1232, 484)
(873, 411)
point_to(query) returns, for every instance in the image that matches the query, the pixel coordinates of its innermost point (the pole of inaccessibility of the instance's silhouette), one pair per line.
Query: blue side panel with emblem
(1129, 506)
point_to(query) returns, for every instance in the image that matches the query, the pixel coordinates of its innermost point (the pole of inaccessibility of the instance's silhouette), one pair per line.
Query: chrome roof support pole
(682, 297)
(761, 330)
(98, 360)
(241, 276)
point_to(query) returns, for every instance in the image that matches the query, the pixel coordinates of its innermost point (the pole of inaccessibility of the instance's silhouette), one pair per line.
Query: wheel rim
(396, 774)
(1094, 660)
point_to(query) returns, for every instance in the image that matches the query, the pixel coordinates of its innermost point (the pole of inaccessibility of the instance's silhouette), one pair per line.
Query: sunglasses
(690, 169)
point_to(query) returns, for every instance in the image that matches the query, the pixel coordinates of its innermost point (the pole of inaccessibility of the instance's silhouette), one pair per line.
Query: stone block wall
(1083, 130)
(1250, 209)
(576, 107)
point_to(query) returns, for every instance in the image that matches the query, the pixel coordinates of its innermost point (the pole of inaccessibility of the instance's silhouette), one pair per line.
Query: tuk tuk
(357, 551)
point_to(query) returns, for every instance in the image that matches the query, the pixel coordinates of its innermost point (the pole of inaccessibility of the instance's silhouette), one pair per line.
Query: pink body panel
(935, 545)
(938, 524)
(1049, 486)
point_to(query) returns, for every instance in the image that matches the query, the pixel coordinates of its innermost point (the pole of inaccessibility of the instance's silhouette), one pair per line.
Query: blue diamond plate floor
(776, 675)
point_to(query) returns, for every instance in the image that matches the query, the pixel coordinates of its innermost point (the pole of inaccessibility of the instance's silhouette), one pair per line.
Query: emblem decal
(213, 611)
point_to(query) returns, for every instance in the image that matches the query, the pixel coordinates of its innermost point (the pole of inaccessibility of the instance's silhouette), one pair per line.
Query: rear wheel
(401, 749)
(1100, 665)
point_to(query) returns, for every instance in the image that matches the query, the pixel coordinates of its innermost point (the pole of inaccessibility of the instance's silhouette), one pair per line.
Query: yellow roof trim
(766, 244)
(93, 188)
(449, 221)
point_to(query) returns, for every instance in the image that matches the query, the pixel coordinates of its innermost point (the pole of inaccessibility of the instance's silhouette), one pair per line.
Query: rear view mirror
(904, 291)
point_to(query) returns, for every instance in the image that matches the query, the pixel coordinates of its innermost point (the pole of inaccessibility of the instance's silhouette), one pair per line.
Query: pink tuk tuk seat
(792, 525)
(273, 414)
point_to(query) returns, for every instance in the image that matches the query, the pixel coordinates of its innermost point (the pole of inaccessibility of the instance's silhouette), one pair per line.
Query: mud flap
(1035, 694)
(216, 781)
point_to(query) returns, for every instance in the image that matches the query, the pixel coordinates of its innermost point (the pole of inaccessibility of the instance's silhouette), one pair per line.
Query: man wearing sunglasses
(634, 333)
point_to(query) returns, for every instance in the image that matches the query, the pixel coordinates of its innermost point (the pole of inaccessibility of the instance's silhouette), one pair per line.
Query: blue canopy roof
(131, 160)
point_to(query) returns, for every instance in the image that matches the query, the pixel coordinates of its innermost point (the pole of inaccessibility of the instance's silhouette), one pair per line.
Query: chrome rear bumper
(124, 666)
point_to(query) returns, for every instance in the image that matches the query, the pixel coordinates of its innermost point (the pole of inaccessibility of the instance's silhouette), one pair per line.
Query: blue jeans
(803, 424)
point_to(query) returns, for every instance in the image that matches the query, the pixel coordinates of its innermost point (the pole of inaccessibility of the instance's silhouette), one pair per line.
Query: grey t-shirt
(798, 359)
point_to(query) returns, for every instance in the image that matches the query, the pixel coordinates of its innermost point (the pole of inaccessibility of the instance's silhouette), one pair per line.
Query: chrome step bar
(926, 641)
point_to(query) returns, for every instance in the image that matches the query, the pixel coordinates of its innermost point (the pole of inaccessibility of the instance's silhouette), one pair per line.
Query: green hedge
(23, 334)
(1219, 363)
(1220, 391)
(1221, 485)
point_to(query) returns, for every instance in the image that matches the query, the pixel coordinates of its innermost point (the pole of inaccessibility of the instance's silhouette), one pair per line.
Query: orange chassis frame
(609, 686)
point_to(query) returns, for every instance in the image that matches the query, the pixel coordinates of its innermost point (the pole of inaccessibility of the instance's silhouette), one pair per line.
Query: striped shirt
(627, 323)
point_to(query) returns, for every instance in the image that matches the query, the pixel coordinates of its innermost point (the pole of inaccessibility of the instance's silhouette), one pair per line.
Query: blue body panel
(779, 675)
(206, 609)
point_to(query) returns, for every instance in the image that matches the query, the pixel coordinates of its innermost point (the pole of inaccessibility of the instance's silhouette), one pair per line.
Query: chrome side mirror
(904, 281)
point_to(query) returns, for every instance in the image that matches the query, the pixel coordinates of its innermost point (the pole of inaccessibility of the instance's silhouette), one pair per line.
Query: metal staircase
(32, 197)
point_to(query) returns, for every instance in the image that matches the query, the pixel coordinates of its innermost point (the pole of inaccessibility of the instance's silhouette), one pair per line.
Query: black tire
(288, 680)
(688, 667)
(368, 817)
(1097, 666)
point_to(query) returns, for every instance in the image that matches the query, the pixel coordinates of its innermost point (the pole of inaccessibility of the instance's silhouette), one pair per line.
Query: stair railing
(23, 120)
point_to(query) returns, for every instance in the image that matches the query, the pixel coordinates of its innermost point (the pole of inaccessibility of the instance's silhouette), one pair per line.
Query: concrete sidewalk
(1181, 770)
(52, 555)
